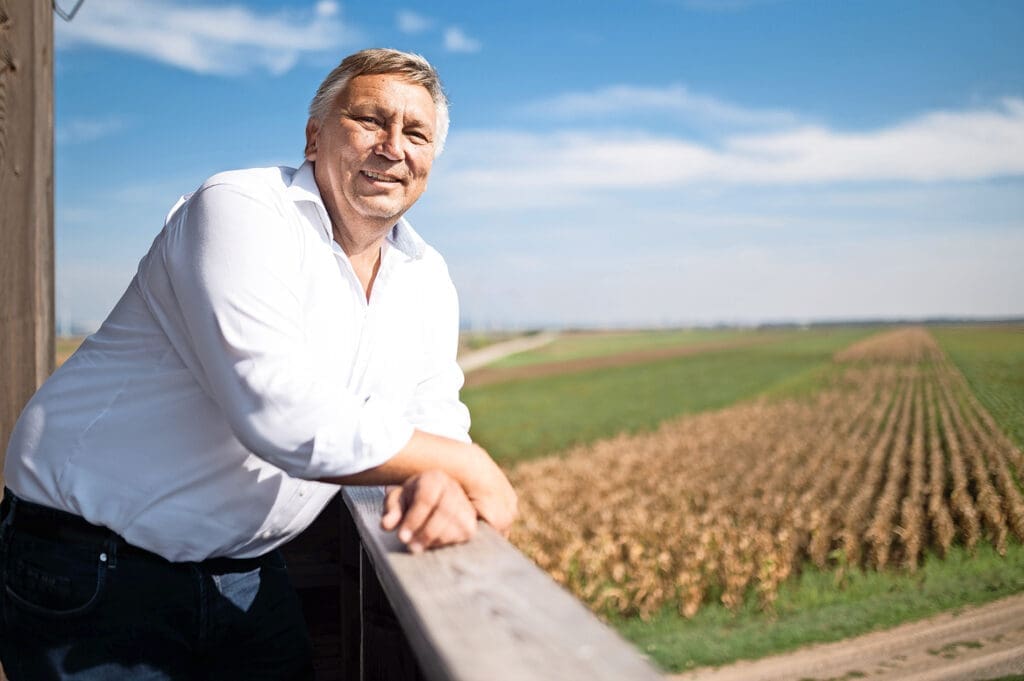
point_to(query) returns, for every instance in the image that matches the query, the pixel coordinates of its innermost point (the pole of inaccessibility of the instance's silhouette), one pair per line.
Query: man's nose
(389, 145)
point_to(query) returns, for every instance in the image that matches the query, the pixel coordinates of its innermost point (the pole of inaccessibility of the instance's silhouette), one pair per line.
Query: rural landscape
(736, 297)
(727, 494)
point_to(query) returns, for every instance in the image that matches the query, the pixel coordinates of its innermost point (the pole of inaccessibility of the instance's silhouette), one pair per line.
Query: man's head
(380, 61)
(375, 126)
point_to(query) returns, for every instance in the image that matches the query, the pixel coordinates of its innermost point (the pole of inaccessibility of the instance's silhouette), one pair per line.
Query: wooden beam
(26, 205)
(482, 611)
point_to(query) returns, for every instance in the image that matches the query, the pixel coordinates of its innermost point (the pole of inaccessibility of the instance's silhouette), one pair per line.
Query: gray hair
(380, 61)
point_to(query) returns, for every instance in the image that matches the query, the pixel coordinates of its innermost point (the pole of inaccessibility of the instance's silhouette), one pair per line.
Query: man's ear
(312, 133)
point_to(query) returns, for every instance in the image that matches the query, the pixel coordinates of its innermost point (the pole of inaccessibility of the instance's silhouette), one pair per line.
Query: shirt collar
(303, 188)
(405, 239)
(303, 185)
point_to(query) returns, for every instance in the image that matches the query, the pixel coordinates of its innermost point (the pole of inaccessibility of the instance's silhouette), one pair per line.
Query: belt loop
(109, 555)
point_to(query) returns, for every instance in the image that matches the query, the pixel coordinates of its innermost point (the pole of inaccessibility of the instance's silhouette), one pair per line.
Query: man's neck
(364, 252)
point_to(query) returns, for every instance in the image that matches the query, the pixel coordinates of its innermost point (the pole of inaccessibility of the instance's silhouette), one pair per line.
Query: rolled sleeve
(436, 407)
(380, 433)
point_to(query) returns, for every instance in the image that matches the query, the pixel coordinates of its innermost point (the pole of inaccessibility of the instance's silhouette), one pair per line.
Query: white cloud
(82, 130)
(410, 22)
(674, 100)
(455, 40)
(964, 274)
(490, 166)
(223, 40)
(327, 8)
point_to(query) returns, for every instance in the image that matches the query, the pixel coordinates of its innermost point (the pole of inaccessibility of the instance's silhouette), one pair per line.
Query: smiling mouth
(381, 177)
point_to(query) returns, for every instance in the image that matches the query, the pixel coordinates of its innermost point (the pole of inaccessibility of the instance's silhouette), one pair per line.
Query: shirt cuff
(380, 431)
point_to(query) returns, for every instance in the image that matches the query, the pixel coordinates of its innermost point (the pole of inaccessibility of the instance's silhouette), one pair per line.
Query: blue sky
(659, 162)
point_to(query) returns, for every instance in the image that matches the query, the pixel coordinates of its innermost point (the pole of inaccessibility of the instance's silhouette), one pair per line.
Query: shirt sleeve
(436, 407)
(233, 264)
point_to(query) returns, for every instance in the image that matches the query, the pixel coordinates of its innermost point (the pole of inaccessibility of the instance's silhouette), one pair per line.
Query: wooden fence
(480, 610)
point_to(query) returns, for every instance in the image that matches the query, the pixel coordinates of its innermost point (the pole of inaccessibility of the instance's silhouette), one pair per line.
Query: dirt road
(471, 361)
(985, 642)
(485, 375)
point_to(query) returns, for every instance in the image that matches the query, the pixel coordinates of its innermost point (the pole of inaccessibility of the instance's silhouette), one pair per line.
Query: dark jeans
(96, 609)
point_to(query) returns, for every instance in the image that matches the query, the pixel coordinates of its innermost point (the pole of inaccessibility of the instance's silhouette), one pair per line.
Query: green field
(992, 360)
(583, 345)
(813, 609)
(531, 418)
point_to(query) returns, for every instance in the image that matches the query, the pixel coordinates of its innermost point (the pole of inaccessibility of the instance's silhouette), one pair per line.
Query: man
(287, 332)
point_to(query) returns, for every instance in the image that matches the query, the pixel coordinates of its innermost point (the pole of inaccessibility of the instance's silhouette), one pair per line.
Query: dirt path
(489, 375)
(472, 361)
(974, 643)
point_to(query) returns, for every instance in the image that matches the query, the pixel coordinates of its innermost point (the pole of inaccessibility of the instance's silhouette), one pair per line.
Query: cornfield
(892, 458)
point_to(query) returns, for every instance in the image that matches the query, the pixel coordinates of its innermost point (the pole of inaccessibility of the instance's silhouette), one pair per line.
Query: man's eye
(368, 120)
(418, 136)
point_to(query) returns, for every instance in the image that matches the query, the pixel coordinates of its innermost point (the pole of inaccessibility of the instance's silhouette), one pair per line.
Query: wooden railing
(481, 610)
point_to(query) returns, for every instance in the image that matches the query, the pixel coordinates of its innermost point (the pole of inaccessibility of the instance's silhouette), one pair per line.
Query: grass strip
(991, 358)
(531, 418)
(825, 606)
(584, 345)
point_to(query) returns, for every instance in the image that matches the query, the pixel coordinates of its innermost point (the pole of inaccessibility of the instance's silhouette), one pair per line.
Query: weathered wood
(26, 205)
(483, 611)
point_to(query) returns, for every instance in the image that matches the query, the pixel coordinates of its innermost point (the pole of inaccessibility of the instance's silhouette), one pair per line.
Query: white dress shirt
(242, 364)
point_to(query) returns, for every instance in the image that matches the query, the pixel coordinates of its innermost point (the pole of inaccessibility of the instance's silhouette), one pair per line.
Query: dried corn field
(892, 458)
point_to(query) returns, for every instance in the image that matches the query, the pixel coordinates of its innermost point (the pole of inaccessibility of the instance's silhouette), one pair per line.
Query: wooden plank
(26, 205)
(482, 611)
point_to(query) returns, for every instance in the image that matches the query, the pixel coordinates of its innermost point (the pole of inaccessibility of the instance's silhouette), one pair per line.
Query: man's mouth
(381, 177)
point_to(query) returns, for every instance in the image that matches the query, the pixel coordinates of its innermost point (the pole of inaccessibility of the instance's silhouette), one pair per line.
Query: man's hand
(429, 510)
(491, 493)
(468, 466)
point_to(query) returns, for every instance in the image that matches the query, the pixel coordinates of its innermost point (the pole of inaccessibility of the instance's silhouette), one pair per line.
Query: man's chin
(381, 210)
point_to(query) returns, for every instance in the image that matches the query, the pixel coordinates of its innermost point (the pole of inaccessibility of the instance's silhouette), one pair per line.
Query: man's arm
(229, 272)
(468, 464)
(234, 270)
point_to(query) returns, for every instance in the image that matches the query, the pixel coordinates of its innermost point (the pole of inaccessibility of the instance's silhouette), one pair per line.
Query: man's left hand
(429, 510)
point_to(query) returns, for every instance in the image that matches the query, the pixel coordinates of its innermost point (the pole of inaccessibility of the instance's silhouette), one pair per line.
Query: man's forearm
(424, 451)
(483, 482)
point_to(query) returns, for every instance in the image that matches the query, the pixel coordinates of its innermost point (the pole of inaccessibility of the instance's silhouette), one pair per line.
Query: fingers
(392, 512)
(428, 511)
(452, 521)
(420, 495)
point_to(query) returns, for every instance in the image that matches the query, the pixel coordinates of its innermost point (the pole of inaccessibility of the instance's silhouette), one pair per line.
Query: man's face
(374, 150)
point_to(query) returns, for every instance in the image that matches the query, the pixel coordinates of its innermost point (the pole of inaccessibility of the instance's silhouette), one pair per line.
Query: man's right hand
(469, 464)
(491, 493)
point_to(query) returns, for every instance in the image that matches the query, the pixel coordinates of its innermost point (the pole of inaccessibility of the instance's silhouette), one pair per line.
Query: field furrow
(890, 459)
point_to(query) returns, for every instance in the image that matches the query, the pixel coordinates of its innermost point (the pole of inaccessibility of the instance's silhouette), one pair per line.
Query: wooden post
(26, 205)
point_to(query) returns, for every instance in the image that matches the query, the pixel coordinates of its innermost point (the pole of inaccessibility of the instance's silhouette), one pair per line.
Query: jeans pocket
(52, 579)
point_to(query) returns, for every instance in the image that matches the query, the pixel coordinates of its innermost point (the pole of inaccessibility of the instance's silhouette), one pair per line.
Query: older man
(287, 332)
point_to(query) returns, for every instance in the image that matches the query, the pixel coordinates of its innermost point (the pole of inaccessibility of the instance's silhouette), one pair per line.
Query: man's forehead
(369, 85)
